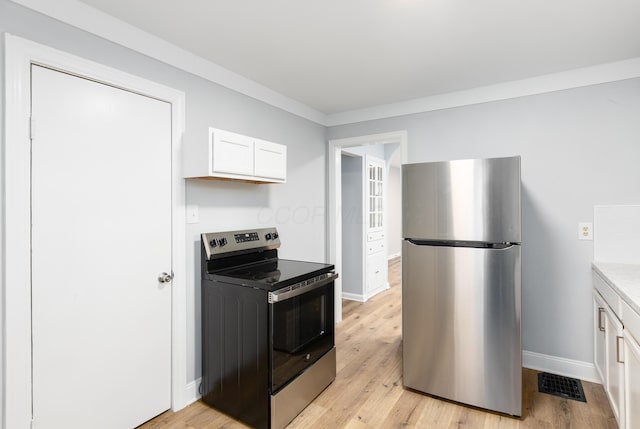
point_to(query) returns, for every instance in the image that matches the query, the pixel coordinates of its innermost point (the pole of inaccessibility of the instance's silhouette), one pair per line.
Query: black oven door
(302, 330)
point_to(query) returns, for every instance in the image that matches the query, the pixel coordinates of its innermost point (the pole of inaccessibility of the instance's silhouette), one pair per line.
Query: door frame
(334, 197)
(20, 54)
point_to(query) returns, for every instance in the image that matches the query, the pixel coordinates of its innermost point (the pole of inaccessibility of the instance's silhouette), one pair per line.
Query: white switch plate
(585, 230)
(192, 214)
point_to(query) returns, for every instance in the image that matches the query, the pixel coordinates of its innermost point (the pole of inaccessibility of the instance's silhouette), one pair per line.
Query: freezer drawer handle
(600, 311)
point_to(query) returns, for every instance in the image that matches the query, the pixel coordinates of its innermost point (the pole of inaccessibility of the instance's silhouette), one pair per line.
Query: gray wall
(352, 227)
(297, 208)
(579, 147)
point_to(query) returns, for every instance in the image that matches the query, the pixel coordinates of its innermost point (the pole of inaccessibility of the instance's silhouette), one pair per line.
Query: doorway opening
(363, 225)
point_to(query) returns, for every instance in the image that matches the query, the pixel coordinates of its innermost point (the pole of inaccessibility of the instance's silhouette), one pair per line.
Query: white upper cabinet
(235, 156)
(231, 153)
(270, 160)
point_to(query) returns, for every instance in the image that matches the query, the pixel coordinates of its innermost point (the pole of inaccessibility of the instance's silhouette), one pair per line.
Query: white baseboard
(560, 366)
(363, 298)
(393, 256)
(192, 391)
(353, 297)
(377, 291)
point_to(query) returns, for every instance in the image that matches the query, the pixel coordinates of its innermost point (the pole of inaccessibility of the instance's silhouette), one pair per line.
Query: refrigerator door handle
(471, 244)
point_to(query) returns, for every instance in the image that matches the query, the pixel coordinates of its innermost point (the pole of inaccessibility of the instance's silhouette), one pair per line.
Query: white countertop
(624, 279)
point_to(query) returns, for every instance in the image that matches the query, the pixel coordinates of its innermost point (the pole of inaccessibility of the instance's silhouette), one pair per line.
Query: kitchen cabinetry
(607, 323)
(231, 153)
(270, 160)
(235, 156)
(632, 380)
(631, 365)
(614, 385)
(616, 333)
(364, 244)
(599, 340)
(376, 253)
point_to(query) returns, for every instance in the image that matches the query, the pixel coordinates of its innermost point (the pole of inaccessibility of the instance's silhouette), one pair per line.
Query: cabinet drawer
(609, 295)
(374, 236)
(375, 246)
(631, 321)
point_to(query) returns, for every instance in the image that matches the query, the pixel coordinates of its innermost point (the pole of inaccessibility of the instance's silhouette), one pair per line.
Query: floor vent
(565, 387)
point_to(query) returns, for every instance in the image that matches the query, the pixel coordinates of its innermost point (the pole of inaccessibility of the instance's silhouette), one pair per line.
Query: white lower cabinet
(599, 340)
(376, 272)
(632, 381)
(614, 385)
(617, 352)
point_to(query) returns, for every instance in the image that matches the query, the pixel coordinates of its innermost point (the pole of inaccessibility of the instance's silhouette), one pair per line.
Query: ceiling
(341, 55)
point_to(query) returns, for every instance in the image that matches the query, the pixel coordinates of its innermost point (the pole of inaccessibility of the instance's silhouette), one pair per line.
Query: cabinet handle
(600, 311)
(618, 349)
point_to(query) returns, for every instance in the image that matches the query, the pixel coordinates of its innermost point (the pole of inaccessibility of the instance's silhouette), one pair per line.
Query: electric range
(267, 328)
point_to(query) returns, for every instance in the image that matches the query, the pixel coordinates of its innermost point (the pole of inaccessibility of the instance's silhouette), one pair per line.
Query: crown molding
(91, 20)
(94, 21)
(575, 78)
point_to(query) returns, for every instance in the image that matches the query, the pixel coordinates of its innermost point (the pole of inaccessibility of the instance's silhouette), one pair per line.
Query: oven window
(299, 321)
(302, 331)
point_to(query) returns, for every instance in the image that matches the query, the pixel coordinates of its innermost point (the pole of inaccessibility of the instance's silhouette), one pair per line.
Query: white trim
(353, 296)
(334, 196)
(374, 292)
(576, 78)
(101, 24)
(19, 55)
(394, 255)
(96, 22)
(561, 366)
(192, 392)
(363, 298)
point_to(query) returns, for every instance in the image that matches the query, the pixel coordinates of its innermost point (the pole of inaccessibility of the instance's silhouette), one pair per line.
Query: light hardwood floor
(368, 392)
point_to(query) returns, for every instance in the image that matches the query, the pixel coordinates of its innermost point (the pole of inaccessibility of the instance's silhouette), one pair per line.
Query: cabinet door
(376, 272)
(599, 336)
(632, 381)
(270, 160)
(375, 181)
(232, 153)
(615, 367)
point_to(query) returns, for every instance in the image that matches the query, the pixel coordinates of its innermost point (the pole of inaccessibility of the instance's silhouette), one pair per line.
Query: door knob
(165, 278)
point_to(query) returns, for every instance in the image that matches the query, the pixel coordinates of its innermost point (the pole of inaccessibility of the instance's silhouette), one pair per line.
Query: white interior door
(101, 235)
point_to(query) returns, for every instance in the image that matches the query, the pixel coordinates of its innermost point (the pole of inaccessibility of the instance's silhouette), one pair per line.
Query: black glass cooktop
(271, 275)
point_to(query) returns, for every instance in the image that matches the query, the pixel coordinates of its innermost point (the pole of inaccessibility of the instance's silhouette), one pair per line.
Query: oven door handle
(293, 291)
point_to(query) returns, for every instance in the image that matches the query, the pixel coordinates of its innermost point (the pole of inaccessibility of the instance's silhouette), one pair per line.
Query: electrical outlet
(192, 214)
(585, 231)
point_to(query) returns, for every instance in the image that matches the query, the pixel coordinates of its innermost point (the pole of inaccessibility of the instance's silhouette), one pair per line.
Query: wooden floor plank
(368, 392)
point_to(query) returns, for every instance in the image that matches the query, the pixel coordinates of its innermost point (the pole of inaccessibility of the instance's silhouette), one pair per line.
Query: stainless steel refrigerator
(461, 281)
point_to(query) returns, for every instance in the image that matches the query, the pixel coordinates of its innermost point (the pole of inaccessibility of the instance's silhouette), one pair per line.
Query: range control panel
(246, 236)
(221, 244)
